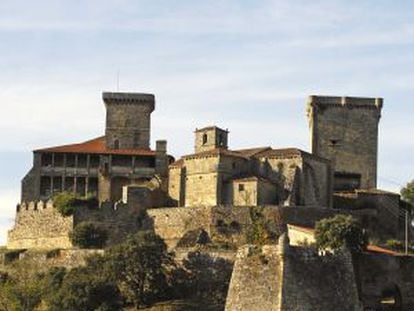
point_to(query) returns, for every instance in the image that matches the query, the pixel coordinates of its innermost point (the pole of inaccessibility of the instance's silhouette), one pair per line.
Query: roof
(381, 250)
(303, 229)
(96, 146)
(216, 152)
(252, 151)
(365, 191)
(127, 97)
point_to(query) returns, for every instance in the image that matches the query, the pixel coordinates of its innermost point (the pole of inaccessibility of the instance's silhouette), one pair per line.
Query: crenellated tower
(345, 131)
(128, 120)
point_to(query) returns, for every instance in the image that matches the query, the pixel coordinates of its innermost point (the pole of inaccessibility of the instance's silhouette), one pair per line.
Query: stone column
(51, 185)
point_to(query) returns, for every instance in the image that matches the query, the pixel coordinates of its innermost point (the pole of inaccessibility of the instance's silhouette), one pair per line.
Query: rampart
(39, 225)
(281, 277)
(231, 224)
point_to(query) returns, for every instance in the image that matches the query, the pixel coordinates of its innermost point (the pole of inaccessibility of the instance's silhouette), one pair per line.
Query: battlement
(357, 102)
(124, 98)
(34, 206)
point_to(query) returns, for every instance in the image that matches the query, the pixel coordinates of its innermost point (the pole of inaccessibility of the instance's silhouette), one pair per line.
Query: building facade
(102, 166)
(215, 175)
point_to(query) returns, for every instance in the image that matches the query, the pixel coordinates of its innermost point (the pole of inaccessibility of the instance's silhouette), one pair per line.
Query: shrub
(86, 289)
(395, 245)
(89, 235)
(338, 231)
(65, 203)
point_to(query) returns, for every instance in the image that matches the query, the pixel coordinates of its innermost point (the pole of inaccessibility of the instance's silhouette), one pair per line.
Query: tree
(89, 235)
(140, 266)
(86, 289)
(407, 192)
(338, 231)
(22, 288)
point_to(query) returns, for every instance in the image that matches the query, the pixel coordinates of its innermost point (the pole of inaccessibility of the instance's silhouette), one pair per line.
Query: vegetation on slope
(135, 274)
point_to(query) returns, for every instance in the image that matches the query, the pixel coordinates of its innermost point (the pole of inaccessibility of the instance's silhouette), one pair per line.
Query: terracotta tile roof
(378, 249)
(216, 152)
(252, 151)
(286, 152)
(96, 146)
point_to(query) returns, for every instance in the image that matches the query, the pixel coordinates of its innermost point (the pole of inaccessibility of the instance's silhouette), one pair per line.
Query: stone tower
(345, 131)
(209, 138)
(128, 120)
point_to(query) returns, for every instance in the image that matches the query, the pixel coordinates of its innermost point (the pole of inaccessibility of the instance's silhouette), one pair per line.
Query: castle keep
(345, 131)
(220, 194)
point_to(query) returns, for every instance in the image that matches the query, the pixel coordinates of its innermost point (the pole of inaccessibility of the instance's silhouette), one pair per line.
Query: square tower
(209, 138)
(345, 131)
(128, 120)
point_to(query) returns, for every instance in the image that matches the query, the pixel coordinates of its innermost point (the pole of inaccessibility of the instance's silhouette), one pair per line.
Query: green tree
(86, 289)
(22, 289)
(140, 266)
(407, 193)
(89, 235)
(338, 231)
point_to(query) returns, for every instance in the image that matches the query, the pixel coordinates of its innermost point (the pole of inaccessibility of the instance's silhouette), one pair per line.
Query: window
(221, 140)
(116, 144)
(241, 187)
(334, 142)
(204, 139)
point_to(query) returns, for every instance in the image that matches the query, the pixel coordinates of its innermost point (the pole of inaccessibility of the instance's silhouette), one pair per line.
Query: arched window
(204, 139)
(116, 144)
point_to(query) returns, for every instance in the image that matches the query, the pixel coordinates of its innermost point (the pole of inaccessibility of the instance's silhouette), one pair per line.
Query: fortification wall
(172, 223)
(231, 225)
(280, 277)
(45, 259)
(39, 225)
(314, 282)
(256, 280)
(385, 276)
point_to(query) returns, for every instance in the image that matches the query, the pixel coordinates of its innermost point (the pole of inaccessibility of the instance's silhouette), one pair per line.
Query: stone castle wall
(280, 277)
(39, 225)
(256, 280)
(232, 224)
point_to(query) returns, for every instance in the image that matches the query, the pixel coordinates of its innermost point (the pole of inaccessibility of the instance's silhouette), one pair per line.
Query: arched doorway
(391, 299)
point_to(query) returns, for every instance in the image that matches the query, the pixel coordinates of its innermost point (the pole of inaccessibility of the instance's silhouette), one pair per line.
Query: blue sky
(244, 65)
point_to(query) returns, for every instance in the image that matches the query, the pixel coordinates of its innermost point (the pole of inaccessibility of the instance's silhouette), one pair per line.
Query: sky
(243, 65)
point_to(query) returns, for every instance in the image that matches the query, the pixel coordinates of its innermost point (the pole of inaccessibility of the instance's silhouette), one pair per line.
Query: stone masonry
(345, 131)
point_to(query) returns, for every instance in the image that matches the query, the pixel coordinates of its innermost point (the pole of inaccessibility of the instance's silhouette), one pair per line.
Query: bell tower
(209, 138)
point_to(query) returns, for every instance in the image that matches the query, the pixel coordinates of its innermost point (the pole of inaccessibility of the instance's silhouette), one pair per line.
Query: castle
(215, 189)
